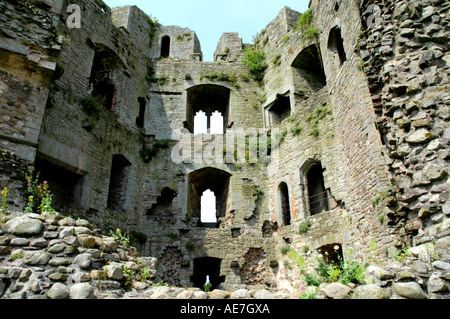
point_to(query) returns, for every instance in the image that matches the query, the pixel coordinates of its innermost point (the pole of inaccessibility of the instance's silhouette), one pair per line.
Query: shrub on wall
(256, 62)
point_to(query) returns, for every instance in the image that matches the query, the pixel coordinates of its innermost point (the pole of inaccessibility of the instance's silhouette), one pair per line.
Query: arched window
(317, 194)
(200, 123)
(285, 206)
(165, 47)
(208, 196)
(208, 207)
(216, 123)
(213, 101)
(336, 44)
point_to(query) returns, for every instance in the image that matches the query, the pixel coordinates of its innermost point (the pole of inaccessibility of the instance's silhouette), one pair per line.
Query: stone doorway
(332, 253)
(207, 266)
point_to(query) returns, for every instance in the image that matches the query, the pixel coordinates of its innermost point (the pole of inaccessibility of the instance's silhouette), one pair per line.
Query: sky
(211, 18)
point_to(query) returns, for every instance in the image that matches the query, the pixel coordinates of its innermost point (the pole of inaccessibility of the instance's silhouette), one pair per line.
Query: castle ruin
(342, 141)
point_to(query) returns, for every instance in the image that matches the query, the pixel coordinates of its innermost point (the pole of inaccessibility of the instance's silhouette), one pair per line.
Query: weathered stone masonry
(362, 111)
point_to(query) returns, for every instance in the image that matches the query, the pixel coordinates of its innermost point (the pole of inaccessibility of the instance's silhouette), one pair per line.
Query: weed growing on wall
(305, 26)
(118, 235)
(304, 227)
(343, 271)
(221, 77)
(92, 106)
(4, 201)
(154, 24)
(40, 199)
(256, 62)
(147, 153)
(315, 117)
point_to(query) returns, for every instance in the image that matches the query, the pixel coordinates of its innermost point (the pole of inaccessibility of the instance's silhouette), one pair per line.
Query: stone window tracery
(207, 109)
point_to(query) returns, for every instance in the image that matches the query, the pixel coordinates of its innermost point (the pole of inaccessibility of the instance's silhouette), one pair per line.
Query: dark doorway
(141, 117)
(118, 186)
(66, 186)
(104, 92)
(165, 47)
(207, 266)
(317, 194)
(332, 253)
(285, 206)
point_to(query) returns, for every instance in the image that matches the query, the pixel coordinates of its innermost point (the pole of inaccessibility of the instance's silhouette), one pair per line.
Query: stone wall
(12, 177)
(405, 57)
(183, 44)
(29, 46)
(57, 257)
(229, 47)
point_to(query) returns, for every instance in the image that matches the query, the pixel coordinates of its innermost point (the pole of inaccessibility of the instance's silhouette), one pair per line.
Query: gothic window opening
(216, 123)
(208, 109)
(308, 64)
(279, 110)
(204, 124)
(208, 196)
(165, 47)
(208, 208)
(200, 123)
(285, 206)
(336, 44)
(118, 185)
(141, 117)
(317, 194)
